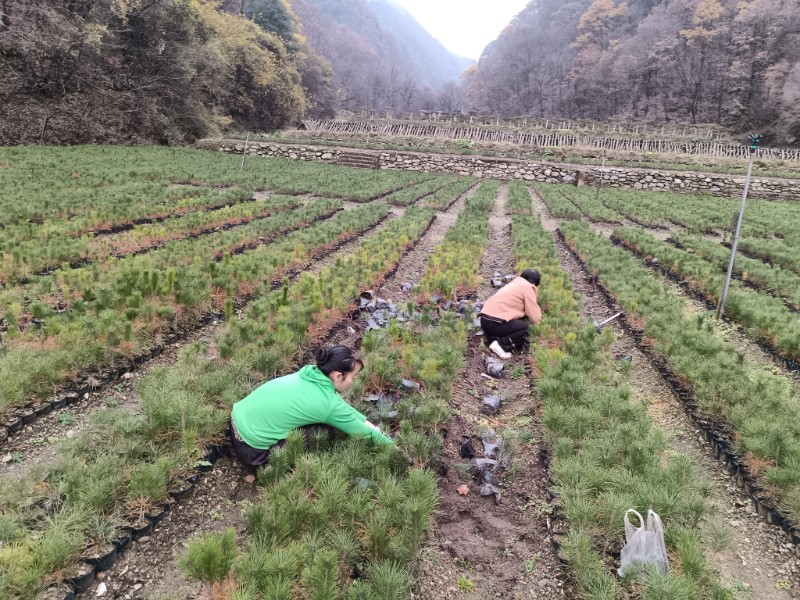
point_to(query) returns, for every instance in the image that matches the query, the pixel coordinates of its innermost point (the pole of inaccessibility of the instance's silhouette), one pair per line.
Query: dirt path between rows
(482, 548)
(148, 568)
(756, 561)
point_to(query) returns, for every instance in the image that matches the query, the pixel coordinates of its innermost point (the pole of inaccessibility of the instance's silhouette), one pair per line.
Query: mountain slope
(381, 57)
(432, 63)
(732, 62)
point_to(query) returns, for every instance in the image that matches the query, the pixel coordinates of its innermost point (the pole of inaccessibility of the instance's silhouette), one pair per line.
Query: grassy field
(205, 281)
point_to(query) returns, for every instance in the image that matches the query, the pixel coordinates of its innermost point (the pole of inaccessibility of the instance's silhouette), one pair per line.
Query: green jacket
(306, 397)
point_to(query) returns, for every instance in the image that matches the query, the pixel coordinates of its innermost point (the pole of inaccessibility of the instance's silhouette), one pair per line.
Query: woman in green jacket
(305, 399)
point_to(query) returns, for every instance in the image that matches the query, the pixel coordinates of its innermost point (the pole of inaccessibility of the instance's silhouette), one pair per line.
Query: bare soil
(484, 548)
(756, 561)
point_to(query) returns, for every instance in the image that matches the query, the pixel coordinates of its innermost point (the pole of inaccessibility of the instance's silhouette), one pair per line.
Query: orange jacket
(514, 301)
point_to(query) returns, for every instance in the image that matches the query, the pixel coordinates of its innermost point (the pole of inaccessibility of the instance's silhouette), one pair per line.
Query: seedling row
(603, 453)
(452, 271)
(36, 257)
(745, 409)
(116, 318)
(57, 183)
(183, 409)
(766, 317)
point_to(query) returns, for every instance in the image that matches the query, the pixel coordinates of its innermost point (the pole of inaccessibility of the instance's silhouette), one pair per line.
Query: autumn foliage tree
(142, 70)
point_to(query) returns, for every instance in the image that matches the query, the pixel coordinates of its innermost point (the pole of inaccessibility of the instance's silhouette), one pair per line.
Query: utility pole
(244, 154)
(602, 170)
(755, 140)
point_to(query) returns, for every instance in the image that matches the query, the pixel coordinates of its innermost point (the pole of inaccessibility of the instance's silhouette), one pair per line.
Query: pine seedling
(244, 592)
(170, 280)
(391, 496)
(277, 467)
(295, 447)
(278, 588)
(359, 590)
(347, 548)
(209, 558)
(658, 585)
(691, 559)
(402, 548)
(421, 484)
(285, 562)
(332, 493)
(389, 581)
(250, 567)
(417, 520)
(307, 470)
(285, 293)
(377, 530)
(357, 506)
(318, 440)
(321, 577)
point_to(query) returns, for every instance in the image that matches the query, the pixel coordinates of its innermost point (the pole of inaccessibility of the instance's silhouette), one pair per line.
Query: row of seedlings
(745, 410)
(449, 194)
(452, 271)
(559, 206)
(589, 202)
(33, 257)
(780, 282)
(88, 505)
(774, 252)
(348, 519)
(519, 198)
(60, 287)
(766, 317)
(139, 310)
(118, 208)
(172, 281)
(763, 218)
(602, 451)
(57, 183)
(410, 195)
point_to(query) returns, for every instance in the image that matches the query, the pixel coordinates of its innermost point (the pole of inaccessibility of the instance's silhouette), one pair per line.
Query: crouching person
(506, 315)
(308, 399)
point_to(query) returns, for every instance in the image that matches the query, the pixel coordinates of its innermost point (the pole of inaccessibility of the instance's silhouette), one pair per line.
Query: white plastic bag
(644, 545)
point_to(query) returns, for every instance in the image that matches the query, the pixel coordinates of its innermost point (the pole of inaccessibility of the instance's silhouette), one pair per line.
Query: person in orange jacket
(506, 316)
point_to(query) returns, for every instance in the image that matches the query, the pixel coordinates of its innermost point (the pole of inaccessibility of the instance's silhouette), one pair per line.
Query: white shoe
(498, 350)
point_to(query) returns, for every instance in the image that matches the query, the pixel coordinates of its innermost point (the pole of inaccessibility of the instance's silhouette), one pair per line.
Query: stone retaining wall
(502, 168)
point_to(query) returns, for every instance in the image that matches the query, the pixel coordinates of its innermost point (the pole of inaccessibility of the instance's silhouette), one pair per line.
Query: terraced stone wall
(500, 168)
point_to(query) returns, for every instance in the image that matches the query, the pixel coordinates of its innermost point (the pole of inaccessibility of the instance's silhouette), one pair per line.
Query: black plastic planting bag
(644, 545)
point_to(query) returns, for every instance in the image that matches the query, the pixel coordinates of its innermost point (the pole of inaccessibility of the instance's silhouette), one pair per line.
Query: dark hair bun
(337, 358)
(323, 355)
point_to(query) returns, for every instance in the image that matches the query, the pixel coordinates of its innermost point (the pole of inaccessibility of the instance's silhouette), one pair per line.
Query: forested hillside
(733, 62)
(156, 70)
(171, 71)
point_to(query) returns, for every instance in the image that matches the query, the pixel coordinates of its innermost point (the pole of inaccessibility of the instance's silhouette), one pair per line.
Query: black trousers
(255, 457)
(511, 335)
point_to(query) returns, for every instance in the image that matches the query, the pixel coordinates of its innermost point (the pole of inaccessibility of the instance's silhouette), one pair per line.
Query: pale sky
(465, 27)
